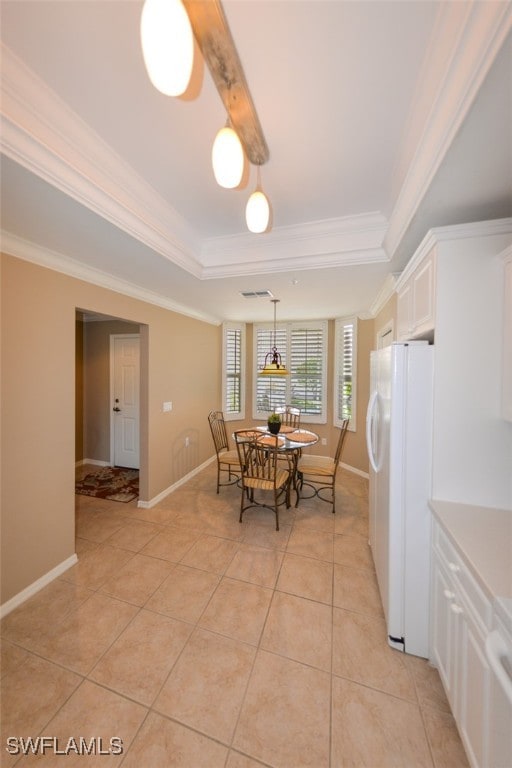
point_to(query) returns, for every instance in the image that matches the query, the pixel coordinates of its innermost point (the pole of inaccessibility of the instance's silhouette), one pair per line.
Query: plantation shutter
(306, 366)
(233, 370)
(233, 373)
(270, 390)
(303, 349)
(345, 366)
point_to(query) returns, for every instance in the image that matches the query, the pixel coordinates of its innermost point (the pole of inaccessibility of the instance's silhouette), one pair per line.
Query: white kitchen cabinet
(475, 680)
(445, 628)
(455, 279)
(404, 319)
(416, 299)
(424, 286)
(471, 597)
(459, 628)
(500, 737)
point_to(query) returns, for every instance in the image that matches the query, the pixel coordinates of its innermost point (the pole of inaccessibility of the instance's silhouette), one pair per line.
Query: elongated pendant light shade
(227, 158)
(167, 45)
(257, 210)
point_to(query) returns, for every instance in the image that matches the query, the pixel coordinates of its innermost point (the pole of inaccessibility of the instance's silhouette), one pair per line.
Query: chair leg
(242, 503)
(298, 486)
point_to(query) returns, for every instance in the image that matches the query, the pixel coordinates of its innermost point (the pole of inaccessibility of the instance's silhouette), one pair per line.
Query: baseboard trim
(20, 598)
(95, 462)
(171, 488)
(354, 470)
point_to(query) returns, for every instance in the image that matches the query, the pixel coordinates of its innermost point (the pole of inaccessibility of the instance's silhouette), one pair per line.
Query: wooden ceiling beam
(214, 38)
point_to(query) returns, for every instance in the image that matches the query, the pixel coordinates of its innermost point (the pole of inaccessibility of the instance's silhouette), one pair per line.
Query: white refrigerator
(399, 441)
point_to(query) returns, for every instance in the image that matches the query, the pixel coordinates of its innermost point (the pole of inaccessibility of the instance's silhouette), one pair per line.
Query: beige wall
(181, 358)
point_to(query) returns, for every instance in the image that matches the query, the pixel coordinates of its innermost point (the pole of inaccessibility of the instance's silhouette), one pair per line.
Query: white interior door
(125, 392)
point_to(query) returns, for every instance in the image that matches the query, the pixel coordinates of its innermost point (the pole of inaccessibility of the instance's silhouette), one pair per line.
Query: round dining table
(289, 440)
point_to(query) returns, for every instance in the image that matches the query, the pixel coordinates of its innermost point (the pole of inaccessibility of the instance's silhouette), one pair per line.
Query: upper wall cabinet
(454, 284)
(416, 300)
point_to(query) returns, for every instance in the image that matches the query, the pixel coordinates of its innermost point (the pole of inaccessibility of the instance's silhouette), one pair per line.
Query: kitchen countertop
(483, 535)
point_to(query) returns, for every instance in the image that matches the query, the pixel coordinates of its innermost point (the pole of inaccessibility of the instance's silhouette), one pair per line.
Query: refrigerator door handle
(372, 405)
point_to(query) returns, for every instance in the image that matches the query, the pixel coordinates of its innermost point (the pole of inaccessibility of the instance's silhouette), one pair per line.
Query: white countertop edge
(483, 536)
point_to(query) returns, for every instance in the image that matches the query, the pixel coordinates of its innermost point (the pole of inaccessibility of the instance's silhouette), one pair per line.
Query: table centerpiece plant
(274, 423)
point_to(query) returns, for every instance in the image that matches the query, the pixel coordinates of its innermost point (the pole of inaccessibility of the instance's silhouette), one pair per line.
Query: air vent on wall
(257, 294)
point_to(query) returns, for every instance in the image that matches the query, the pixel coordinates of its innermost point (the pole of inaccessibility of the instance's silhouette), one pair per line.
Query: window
(345, 369)
(303, 348)
(233, 379)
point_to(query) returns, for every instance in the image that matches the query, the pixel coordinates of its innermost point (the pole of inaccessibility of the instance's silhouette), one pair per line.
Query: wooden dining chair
(290, 415)
(227, 460)
(263, 472)
(320, 471)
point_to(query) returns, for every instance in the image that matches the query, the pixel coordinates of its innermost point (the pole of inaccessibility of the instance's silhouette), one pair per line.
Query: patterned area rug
(112, 483)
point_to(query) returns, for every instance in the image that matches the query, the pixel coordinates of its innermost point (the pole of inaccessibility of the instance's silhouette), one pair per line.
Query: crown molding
(295, 263)
(43, 257)
(485, 30)
(316, 244)
(42, 134)
(438, 235)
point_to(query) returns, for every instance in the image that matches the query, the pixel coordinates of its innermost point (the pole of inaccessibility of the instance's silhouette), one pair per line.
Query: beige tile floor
(200, 641)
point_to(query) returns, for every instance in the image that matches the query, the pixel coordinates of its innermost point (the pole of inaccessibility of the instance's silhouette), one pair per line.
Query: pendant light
(273, 364)
(257, 211)
(227, 158)
(167, 45)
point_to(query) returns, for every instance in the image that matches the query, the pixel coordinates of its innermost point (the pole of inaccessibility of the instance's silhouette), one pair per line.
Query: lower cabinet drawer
(476, 601)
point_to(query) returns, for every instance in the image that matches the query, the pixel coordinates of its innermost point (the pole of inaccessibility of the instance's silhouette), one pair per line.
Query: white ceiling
(383, 119)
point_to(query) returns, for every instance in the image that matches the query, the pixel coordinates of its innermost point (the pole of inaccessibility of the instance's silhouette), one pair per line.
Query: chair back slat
(290, 415)
(341, 441)
(259, 456)
(263, 471)
(218, 430)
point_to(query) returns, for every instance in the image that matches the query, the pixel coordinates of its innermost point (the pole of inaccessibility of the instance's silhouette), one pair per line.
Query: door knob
(115, 408)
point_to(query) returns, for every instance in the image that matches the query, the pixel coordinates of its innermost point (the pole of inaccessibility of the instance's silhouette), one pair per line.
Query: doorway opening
(95, 427)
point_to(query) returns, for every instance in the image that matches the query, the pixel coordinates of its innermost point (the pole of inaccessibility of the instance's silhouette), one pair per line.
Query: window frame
(226, 327)
(288, 327)
(339, 353)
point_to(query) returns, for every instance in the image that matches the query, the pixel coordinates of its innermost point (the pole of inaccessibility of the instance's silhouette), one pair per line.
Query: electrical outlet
(167, 406)
(187, 442)
(324, 441)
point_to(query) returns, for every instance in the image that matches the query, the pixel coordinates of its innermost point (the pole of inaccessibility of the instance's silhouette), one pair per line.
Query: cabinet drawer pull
(456, 608)
(454, 567)
(448, 594)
